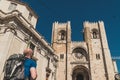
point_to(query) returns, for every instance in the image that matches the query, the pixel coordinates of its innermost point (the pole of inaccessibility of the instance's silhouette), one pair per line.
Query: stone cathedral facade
(64, 59)
(84, 60)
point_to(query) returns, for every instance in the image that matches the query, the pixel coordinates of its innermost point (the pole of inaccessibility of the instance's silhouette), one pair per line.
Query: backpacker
(14, 67)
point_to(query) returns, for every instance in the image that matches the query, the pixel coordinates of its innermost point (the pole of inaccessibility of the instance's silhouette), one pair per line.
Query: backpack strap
(15, 68)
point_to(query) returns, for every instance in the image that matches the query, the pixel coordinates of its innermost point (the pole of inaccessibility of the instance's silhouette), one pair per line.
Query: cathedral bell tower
(100, 61)
(61, 38)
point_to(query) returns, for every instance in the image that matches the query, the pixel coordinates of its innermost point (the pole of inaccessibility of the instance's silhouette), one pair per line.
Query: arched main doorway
(79, 77)
(80, 73)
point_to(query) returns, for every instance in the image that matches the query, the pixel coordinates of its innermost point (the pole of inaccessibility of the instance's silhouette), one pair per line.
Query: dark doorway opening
(80, 73)
(79, 77)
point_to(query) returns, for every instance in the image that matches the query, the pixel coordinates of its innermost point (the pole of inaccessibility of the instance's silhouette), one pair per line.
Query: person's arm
(33, 73)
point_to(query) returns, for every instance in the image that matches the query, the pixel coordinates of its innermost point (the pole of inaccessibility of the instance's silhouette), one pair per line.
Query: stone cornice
(16, 16)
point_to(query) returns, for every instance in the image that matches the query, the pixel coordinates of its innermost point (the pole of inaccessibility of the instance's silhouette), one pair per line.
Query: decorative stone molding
(11, 28)
(117, 76)
(79, 62)
(26, 38)
(17, 15)
(28, 7)
(48, 71)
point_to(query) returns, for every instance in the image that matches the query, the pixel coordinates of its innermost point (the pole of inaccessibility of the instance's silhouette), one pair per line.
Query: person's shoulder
(31, 60)
(33, 63)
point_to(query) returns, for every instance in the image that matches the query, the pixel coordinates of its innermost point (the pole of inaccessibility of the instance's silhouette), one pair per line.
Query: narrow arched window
(62, 35)
(95, 34)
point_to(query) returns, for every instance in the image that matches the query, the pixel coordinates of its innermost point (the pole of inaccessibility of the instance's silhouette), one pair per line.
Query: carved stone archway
(80, 73)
